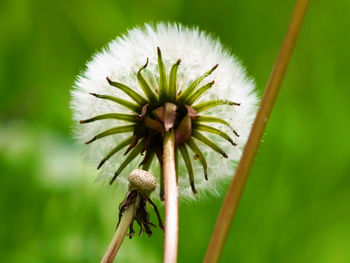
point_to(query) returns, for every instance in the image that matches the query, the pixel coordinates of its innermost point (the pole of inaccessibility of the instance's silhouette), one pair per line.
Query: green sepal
(187, 159)
(116, 116)
(163, 84)
(214, 120)
(127, 104)
(149, 92)
(192, 87)
(205, 128)
(211, 144)
(147, 164)
(128, 91)
(131, 156)
(172, 81)
(116, 149)
(114, 130)
(212, 103)
(195, 149)
(133, 143)
(191, 99)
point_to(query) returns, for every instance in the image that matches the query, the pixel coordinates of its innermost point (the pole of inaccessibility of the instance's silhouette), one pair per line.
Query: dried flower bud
(141, 184)
(142, 181)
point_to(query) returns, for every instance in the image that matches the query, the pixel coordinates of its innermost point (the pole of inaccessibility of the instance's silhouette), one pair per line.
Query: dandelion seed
(158, 78)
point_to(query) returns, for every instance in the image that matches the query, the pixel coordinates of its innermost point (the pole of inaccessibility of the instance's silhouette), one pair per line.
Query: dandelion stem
(171, 202)
(119, 235)
(239, 180)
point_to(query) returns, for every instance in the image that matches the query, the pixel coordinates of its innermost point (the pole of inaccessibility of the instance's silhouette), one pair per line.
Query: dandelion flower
(155, 78)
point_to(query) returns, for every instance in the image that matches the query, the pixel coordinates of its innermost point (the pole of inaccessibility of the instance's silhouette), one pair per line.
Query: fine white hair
(198, 52)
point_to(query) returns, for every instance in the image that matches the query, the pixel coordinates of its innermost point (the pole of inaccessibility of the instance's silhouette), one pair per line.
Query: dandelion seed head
(198, 51)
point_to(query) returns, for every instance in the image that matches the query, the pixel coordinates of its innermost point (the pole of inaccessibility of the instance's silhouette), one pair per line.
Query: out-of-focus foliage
(296, 204)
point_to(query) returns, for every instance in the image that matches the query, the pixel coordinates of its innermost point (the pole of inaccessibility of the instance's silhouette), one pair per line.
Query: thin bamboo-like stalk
(171, 201)
(119, 235)
(236, 188)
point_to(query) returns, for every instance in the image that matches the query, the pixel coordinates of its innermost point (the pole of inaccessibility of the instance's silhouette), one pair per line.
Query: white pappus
(123, 61)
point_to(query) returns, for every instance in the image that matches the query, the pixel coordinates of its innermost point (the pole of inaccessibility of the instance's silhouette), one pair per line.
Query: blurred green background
(296, 207)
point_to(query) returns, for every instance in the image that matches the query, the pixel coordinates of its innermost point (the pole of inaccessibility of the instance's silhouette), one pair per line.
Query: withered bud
(142, 181)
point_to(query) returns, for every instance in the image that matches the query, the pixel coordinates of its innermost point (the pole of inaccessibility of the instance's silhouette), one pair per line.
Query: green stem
(234, 193)
(120, 233)
(171, 201)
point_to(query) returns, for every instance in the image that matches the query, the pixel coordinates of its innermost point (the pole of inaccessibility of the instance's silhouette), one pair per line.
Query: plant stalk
(171, 199)
(119, 234)
(239, 180)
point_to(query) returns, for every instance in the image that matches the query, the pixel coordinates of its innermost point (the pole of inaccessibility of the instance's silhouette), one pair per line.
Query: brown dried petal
(143, 112)
(169, 115)
(184, 130)
(154, 125)
(192, 112)
(158, 113)
(134, 141)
